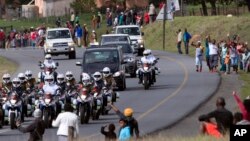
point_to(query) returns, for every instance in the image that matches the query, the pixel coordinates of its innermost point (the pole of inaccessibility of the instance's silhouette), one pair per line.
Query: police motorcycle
(110, 83)
(83, 105)
(13, 107)
(84, 98)
(47, 67)
(50, 101)
(96, 103)
(146, 70)
(107, 99)
(3, 100)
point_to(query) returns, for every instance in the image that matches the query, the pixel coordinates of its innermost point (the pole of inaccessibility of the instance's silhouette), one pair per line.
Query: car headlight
(141, 46)
(117, 74)
(48, 50)
(140, 41)
(71, 44)
(72, 49)
(48, 45)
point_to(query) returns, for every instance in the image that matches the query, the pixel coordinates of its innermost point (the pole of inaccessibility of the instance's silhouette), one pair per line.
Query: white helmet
(60, 78)
(49, 79)
(6, 78)
(106, 72)
(146, 52)
(149, 51)
(97, 76)
(16, 82)
(21, 77)
(48, 57)
(86, 79)
(69, 75)
(28, 74)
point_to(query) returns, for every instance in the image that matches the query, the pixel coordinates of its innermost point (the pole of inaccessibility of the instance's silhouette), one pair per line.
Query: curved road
(178, 91)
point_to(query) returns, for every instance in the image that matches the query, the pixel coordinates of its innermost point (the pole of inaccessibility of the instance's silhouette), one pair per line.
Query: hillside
(218, 27)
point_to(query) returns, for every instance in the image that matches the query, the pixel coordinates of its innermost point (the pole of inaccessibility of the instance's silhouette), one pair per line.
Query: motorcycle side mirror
(78, 64)
(57, 64)
(142, 33)
(124, 62)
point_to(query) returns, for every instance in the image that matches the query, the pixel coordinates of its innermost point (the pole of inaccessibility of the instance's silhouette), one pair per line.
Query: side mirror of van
(78, 64)
(142, 33)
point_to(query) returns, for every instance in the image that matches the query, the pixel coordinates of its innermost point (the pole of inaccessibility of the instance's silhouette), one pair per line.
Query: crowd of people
(227, 53)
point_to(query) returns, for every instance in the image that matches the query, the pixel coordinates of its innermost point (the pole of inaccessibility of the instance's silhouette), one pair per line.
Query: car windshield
(129, 31)
(56, 34)
(126, 48)
(108, 39)
(102, 57)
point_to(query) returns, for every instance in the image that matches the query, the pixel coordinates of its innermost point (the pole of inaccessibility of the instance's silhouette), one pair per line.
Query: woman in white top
(67, 123)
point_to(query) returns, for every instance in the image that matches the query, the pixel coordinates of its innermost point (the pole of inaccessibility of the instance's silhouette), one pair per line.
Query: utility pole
(164, 24)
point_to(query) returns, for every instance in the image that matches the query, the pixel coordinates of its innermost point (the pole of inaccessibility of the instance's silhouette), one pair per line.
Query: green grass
(7, 66)
(245, 88)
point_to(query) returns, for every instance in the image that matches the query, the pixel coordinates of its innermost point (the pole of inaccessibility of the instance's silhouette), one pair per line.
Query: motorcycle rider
(50, 86)
(50, 66)
(6, 83)
(86, 82)
(70, 80)
(99, 83)
(108, 79)
(21, 77)
(41, 74)
(61, 82)
(16, 86)
(30, 81)
(147, 59)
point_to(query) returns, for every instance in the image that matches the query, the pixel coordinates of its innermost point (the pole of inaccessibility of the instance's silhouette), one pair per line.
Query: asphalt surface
(178, 91)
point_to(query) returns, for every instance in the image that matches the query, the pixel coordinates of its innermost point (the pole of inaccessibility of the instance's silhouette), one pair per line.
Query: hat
(37, 113)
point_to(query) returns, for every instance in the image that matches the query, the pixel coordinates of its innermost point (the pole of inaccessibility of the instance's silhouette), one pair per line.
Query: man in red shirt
(2, 38)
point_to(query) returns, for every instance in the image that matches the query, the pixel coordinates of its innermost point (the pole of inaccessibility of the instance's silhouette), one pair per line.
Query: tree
(83, 5)
(248, 4)
(213, 6)
(204, 7)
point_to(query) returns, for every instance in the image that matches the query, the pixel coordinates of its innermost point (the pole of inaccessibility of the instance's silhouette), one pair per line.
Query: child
(109, 135)
(198, 56)
(227, 62)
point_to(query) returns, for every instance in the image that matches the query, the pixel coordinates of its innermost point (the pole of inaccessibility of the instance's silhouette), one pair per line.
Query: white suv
(135, 35)
(59, 41)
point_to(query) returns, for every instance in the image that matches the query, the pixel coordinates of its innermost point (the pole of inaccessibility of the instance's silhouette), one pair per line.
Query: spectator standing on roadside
(18, 39)
(238, 119)
(77, 18)
(207, 53)
(186, 38)
(2, 38)
(243, 106)
(33, 37)
(85, 35)
(198, 56)
(99, 19)
(94, 22)
(110, 135)
(58, 22)
(79, 34)
(152, 12)
(213, 54)
(227, 62)
(234, 57)
(13, 38)
(223, 53)
(179, 39)
(36, 128)
(72, 19)
(7, 42)
(124, 132)
(223, 117)
(128, 116)
(67, 123)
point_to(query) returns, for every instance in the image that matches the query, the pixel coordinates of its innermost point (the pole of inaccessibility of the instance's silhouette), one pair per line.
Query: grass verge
(7, 66)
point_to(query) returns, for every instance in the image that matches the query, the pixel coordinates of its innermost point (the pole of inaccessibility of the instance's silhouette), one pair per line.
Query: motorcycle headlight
(4, 98)
(71, 44)
(47, 101)
(117, 74)
(145, 68)
(95, 94)
(12, 101)
(49, 50)
(83, 97)
(130, 60)
(72, 49)
(140, 41)
(141, 46)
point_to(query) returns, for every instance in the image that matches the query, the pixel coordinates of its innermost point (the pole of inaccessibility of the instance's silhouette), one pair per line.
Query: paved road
(177, 92)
